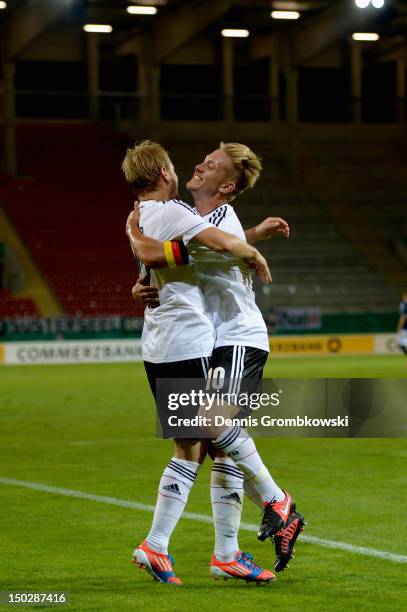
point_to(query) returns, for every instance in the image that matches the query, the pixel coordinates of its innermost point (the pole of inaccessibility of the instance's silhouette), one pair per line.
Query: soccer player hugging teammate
(240, 347)
(402, 324)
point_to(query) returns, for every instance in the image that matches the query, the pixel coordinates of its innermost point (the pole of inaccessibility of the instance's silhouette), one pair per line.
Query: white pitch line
(202, 518)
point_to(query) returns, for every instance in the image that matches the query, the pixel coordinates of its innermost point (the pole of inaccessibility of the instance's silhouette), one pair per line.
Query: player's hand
(259, 263)
(144, 293)
(272, 226)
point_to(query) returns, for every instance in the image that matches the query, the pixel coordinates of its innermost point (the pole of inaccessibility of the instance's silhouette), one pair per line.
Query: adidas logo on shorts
(172, 488)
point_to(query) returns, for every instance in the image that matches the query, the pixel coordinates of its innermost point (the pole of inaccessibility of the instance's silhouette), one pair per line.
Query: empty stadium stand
(12, 307)
(321, 264)
(70, 208)
(71, 204)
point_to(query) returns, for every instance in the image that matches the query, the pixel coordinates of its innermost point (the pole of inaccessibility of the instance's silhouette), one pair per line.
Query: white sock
(175, 485)
(227, 503)
(240, 447)
(253, 493)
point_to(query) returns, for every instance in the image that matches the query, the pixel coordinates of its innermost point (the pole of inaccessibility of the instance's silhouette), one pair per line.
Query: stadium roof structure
(154, 40)
(177, 21)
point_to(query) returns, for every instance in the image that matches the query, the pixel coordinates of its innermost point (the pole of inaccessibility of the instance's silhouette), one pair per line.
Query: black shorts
(174, 378)
(190, 368)
(232, 370)
(241, 367)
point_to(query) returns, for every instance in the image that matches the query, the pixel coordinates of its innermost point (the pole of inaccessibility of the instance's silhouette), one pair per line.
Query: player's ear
(228, 188)
(165, 174)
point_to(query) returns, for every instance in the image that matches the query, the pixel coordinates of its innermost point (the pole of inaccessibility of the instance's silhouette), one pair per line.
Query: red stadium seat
(70, 209)
(12, 307)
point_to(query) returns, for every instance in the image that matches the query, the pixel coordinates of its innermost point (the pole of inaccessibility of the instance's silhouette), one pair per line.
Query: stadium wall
(345, 344)
(75, 351)
(119, 351)
(282, 322)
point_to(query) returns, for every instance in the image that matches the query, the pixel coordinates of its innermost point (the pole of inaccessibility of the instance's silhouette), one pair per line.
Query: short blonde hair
(246, 163)
(142, 165)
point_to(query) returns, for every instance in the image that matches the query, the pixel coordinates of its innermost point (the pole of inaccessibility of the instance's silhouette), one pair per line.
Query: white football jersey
(227, 287)
(179, 328)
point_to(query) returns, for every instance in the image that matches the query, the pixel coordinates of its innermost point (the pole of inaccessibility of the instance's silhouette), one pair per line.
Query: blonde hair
(142, 165)
(245, 162)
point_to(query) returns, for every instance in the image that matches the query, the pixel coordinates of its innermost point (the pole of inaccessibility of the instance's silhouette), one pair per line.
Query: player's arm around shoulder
(222, 242)
(182, 220)
(178, 219)
(148, 250)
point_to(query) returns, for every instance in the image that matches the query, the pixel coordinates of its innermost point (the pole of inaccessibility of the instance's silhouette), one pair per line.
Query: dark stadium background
(79, 455)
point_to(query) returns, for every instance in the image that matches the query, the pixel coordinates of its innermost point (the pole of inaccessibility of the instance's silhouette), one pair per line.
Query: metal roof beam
(25, 24)
(307, 40)
(172, 31)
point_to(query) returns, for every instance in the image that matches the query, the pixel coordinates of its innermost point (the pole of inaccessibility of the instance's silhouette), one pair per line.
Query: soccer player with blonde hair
(144, 164)
(178, 335)
(240, 352)
(246, 164)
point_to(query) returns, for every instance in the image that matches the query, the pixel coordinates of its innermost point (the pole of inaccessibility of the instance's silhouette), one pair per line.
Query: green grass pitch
(91, 429)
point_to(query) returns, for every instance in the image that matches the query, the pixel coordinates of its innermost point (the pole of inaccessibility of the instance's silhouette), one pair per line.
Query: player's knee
(190, 450)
